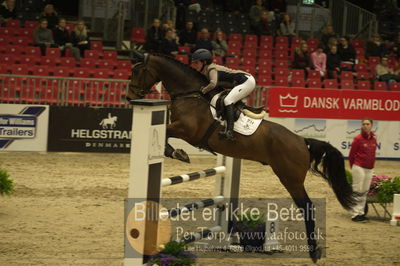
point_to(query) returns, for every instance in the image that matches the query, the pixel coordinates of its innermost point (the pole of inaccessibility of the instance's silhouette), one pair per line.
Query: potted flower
(173, 254)
(6, 184)
(251, 230)
(386, 188)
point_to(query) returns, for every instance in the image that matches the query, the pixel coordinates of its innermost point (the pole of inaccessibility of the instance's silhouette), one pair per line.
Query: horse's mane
(187, 69)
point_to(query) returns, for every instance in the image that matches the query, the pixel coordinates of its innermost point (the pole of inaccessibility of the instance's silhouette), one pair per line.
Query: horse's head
(143, 77)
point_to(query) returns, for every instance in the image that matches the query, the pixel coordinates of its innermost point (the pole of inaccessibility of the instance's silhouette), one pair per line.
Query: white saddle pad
(244, 125)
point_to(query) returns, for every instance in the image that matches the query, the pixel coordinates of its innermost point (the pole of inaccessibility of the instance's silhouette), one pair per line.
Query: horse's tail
(332, 170)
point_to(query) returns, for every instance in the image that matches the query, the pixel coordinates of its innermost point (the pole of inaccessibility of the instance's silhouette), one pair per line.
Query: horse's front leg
(173, 130)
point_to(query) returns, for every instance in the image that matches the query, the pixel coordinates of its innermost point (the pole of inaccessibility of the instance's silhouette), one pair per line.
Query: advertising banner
(336, 104)
(23, 127)
(83, 129)
(340, 133)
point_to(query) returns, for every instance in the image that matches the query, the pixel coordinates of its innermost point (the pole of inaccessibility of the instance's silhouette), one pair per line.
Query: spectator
(188, 36)
(326, 34)
(333, 61)
(194, 5)
(375, 47)
(220, 47)
(362, 160)
(50, 15)
(154, 37)
(385, 73)
(204, 41)
(302, 57)
(7, 11)
(255, 14)
(318, 59)
(287, 27)
(331, 42)
(62, 38)
(43, 37)
(346, 51)
(169, 45)
(80, 37)
(265, 24)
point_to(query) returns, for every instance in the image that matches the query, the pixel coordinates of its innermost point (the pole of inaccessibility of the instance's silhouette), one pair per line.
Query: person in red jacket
(362, 160)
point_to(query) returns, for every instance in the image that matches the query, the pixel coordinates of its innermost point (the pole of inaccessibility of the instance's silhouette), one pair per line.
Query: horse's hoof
(181, 155)
(316, 254)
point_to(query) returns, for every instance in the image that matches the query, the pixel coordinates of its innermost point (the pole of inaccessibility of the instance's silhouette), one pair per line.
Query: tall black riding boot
(228, 133)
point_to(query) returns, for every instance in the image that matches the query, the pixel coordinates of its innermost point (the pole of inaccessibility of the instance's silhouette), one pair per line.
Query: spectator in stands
(327, 34)
(220, 47)
(333, 61)
(385, 73)
(80, 37)
(302, 57)
(43, 37)
(346, 51)
(331, 42)
(7, 11)
(50, 14)
(154, 37)
(287, 27)
(265, 24)
(188, 36)
(318, 59)
(375, 47)
(255, 14)
(169, 45)
(62, 38)
(204, 42)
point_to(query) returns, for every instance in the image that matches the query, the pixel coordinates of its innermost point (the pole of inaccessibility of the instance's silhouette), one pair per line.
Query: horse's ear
(138, 55)
(146, 58)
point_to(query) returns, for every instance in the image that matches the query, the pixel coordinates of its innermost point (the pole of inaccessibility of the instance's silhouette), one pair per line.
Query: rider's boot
(228, 133)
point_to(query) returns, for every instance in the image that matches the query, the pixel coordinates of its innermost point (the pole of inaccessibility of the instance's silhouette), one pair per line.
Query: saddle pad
(244, 125)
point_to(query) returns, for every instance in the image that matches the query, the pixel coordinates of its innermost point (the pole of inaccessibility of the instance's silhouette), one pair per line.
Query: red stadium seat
(298, 82)
(235, 44)
(357, 43)
(122, 74)
(266, 39)
(67, 62)
(31, 24)
(182, 58)
(347, 84)
(96, 45)
(281, 81)
(249, 61)
(250, 53)
(96, 54)
(314, 83)
(346, 75)
(138, 35)
(298, 73)
(360, 67)
(218, 60)
(53, 52)
(235, 37)
(31, 50)
(234, 52)
(232, 61)
(109, 64)
(314, 74)
(373, 60)
(264, 80)
(380, 86)
(249, 69)
(61, 71)
(331, 84)
(49, 61)
(282, 64)
(281, 72)
(13, 23)
(265, 54)
(363, 85)
(19, 69)
(88, 62)
(81, 72)
(395, 86)
(281, 40)
(281, 55)
(265, 62)
(181, 49)
(250, 38)
(363, 75)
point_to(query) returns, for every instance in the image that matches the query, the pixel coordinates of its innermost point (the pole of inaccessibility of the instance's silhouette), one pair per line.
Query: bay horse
(289, 155)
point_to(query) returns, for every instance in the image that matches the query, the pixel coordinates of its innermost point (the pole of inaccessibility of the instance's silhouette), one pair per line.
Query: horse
(289, 155)
(110, 121)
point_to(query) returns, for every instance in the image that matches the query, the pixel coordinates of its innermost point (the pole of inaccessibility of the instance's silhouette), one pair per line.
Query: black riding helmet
(202, 55)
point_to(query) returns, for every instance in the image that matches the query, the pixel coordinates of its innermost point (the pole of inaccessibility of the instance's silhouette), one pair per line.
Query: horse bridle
(142, 92)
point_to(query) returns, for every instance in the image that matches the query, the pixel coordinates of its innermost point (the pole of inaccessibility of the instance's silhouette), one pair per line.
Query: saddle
(239, 107)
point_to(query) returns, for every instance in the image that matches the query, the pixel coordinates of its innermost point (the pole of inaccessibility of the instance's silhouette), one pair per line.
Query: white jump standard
(145, 181)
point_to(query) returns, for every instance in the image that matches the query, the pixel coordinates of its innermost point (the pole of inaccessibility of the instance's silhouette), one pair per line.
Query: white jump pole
(396, 210)
(146, 167)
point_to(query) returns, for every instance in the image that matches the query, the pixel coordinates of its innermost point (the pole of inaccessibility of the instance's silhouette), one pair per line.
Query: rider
(242, 82)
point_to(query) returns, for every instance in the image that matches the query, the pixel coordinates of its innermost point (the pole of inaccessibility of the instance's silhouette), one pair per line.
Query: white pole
(396, 210)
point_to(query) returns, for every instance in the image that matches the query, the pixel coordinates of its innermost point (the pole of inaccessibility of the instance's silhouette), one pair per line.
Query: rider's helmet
(202, 55)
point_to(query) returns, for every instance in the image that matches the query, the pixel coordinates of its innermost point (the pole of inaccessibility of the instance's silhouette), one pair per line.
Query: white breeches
(240, 91)
(361, 182)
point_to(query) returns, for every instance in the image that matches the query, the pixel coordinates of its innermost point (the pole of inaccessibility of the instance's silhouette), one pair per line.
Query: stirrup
(227, 134)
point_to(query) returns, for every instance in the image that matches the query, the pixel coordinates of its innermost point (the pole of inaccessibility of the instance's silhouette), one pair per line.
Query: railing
(63, 91)
(352, 20)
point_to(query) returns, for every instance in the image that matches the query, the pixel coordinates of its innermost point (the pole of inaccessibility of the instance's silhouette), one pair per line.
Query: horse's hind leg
(293, 180)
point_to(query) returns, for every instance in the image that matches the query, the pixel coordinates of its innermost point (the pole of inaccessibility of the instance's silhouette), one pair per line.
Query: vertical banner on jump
(23, 127)
(83, 129)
